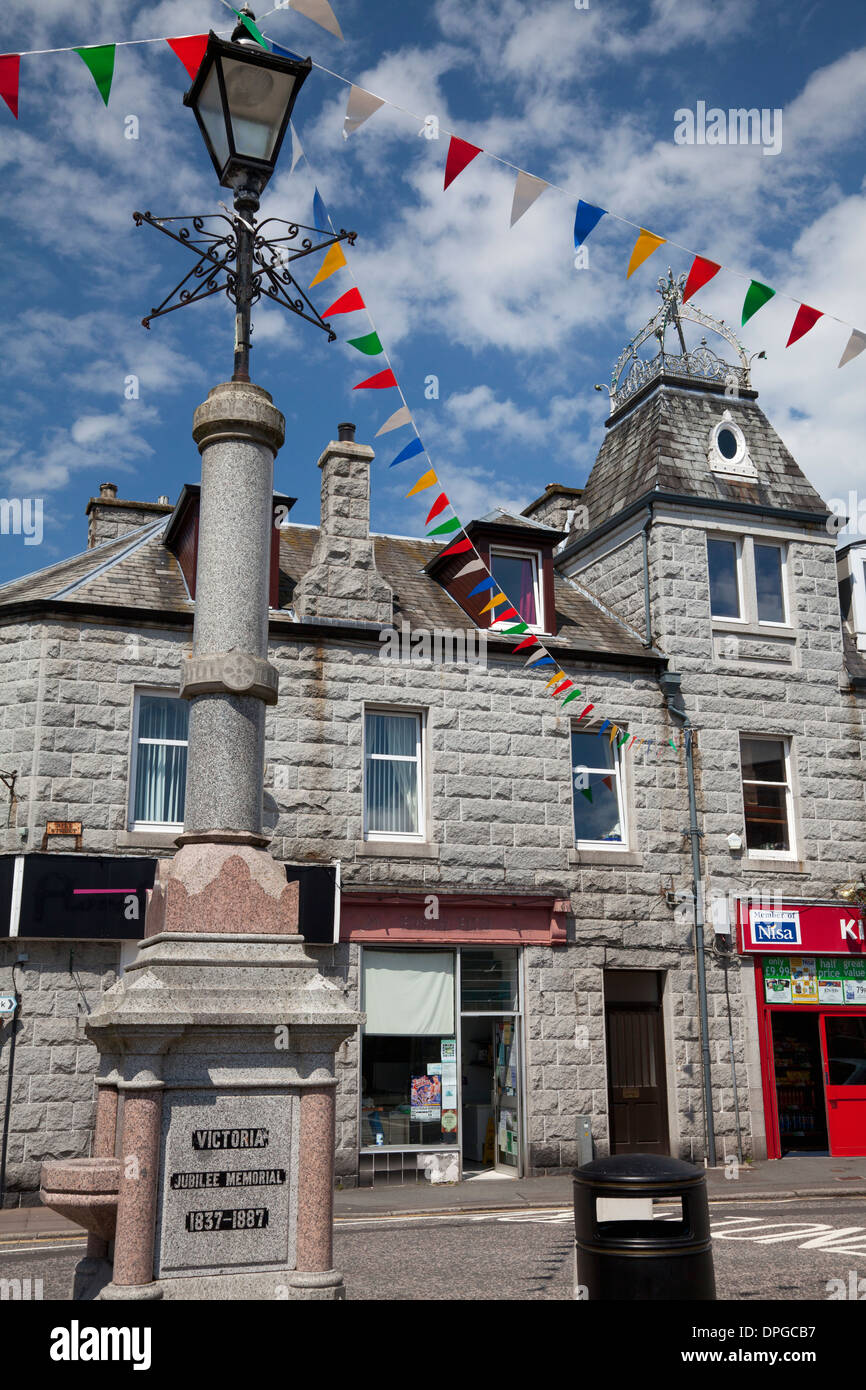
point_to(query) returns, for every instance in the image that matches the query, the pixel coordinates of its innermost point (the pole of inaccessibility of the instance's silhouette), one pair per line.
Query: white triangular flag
(400, 417)
(471, 568)
(856, 344)
(320, 12)
(360, 108)
(526, 190)
(297, 149)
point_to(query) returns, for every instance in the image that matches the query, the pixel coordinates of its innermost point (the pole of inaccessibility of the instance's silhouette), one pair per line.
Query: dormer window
(517, 574)
(728, 451)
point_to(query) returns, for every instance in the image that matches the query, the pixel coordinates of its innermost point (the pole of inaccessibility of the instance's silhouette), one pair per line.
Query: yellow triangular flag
(494, 603)
(334, 260)
(428, 480)
(646, 243)
(560, 675)
(614, 730)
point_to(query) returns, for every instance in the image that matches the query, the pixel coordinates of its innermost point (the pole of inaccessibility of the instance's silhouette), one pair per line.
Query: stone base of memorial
(217, 1066)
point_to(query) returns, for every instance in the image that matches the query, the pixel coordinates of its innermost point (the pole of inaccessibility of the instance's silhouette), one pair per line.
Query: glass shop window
(409, 1048)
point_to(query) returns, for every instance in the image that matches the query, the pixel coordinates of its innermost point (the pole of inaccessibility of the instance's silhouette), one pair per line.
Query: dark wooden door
(637, 1090)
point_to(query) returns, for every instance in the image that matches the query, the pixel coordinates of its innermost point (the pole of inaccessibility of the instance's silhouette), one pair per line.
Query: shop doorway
(797, 1066)
(490, 1052)
(637, 1080)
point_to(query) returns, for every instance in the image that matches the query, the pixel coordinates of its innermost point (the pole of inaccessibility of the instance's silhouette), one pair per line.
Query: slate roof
(661, 446)
(136, 571)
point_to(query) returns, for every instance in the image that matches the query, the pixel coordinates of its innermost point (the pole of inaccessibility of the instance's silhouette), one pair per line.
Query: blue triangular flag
(585, 219)
(320, 213)
(285, 52)
(488, 583)
(545, 661)
(416, 447)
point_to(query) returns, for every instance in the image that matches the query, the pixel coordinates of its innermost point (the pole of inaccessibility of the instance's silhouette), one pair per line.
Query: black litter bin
(636, 1260)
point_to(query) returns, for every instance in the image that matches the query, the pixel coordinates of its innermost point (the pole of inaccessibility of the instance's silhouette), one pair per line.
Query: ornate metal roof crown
(632, 372)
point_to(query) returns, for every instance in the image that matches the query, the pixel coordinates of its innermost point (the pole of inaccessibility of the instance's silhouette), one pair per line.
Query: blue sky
(515, 334)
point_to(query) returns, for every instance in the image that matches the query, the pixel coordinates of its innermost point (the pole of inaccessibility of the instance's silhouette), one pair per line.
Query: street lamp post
(222, 1034)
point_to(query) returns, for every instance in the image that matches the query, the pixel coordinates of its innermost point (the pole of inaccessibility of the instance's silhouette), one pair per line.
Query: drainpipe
(648, 626)
(670, 688)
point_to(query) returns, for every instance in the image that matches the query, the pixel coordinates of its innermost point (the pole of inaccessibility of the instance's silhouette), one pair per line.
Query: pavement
(773, 1180)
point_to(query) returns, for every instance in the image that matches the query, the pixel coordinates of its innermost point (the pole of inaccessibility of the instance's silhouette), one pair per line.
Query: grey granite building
(504, 887)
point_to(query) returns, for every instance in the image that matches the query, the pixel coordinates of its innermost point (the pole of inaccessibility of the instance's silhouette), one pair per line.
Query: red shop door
(843, 1053)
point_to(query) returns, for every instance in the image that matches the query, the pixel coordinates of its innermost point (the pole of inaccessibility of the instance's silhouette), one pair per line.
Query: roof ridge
(79, 555)
(149, 529)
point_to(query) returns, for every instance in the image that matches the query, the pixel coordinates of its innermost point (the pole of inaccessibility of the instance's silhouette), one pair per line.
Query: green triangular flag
(101, 64)
(253, 29)
(518, 627)
(756, 297)
(452, 525)
(587, 792)
(671, 742)
(369, 344)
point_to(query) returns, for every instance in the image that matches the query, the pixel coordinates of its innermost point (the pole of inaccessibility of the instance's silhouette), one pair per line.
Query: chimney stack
(342, 581)
(109, 517)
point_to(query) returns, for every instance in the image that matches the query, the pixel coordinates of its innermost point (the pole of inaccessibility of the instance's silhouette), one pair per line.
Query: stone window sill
(395, 849)
(611, 858)
(775, 866)
(148, 839)
(750, 629)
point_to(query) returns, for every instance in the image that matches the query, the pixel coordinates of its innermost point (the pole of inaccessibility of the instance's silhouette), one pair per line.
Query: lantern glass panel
(210, 109)
(257, 100)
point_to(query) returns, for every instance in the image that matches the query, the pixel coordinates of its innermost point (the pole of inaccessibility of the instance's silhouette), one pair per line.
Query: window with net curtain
(160, 760)
(392, 774)
(517, 577)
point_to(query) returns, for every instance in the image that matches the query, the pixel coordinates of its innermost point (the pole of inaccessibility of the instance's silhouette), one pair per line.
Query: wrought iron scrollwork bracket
(212, 239)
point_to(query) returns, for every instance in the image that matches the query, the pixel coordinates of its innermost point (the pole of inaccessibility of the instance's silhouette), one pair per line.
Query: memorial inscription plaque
(226, 1204)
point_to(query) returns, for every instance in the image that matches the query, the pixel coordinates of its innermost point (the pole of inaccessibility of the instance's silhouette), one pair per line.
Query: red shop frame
(768, 1070)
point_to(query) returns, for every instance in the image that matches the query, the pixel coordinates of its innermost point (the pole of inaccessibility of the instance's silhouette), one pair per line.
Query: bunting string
(362, 104)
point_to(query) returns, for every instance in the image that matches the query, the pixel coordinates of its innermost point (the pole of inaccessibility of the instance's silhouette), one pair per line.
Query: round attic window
(727, 443)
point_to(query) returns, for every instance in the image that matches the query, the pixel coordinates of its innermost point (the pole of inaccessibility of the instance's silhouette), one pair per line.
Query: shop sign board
(807, 929)
(815, 980)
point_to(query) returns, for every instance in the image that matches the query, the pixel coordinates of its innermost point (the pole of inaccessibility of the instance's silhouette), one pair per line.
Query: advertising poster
(777, 980)
(449, 1121)
(425, 1097)
(448, 1051)
(804, 982)
(830, 976)
(854, 983)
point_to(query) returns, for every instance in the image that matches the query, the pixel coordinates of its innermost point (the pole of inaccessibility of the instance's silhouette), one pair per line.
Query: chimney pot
(108, 490)
(163, 499)
(346, 432)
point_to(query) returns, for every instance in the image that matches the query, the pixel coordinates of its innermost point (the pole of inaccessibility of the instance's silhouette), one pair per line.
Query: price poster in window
(804, 982)
(830, 977)
(855, 980)
(777, 980)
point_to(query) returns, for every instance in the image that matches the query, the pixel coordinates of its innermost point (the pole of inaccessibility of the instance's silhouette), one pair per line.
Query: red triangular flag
(806, 319)
(190, 51)
(10, 64)
(460, 153)
(346, 304)
(438, 506)
(507, 613)
(563, 686)
(378, 382)
(527, 642)
(457, 548)
(701, 273)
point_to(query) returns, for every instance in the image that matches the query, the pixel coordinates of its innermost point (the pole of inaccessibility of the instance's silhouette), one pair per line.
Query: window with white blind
(393, 791)
(159, 749)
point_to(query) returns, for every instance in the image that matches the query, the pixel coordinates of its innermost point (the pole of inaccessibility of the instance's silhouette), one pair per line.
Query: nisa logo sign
(775, 928)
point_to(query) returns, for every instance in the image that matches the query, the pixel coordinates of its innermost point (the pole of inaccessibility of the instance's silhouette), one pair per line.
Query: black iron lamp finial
(240, 33)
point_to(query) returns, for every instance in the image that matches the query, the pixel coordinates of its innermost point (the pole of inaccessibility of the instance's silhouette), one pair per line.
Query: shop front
(442, 1092)
(810, 978)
